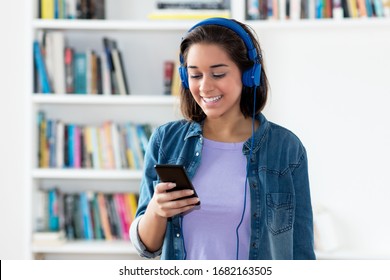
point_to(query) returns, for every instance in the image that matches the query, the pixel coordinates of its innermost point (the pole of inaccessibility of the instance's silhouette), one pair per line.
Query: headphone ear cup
(251, 77)
(184, 77)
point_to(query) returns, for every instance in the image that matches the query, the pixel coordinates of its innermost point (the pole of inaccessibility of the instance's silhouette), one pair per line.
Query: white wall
(12, 118)
(332, 88)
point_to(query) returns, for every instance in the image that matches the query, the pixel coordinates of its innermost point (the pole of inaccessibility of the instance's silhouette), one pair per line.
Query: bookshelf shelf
(87, 247)
(46, 173)
(105, 100)
(183, 25)
(113, 25)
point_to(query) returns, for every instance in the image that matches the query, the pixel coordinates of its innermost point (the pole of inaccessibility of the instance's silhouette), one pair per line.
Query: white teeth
(212, 99)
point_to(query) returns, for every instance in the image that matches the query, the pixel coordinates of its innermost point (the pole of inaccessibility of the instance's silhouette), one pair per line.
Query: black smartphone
(175, 173)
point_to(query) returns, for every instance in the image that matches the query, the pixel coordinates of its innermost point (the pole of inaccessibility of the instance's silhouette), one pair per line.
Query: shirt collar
(195, 130)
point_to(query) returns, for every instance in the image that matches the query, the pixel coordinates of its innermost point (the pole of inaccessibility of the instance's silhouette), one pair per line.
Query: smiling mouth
(211, 99)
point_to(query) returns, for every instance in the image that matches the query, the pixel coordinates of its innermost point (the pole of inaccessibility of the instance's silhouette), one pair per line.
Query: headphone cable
(247, 171)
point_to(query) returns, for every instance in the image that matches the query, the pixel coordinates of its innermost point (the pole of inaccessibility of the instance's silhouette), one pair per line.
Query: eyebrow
(212, 66)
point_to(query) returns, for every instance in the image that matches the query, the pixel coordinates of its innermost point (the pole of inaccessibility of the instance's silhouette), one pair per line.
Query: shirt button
(254, 245)
(177, 235)
(197, 154)
(255, 214)
(254, 185)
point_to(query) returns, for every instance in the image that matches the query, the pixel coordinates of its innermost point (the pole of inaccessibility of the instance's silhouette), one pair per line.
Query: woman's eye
(195, 76)
(218, 76)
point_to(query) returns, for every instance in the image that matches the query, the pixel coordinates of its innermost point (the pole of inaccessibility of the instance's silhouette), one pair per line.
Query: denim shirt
(281, 212)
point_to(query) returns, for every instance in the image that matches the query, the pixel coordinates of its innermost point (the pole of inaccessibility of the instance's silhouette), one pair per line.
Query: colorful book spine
(41, 69)
(53, 210)
(86, 216)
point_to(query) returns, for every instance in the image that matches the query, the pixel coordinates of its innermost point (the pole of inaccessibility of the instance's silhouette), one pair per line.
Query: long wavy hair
(235, 47)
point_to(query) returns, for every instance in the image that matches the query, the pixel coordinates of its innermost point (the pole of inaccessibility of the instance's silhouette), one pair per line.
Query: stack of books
(84, 215)
(71, 9)
(316, 9)
(190, 10)
(108, 146)
(61, 69)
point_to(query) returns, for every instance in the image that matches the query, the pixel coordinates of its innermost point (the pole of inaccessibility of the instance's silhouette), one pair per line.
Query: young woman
(250, 174)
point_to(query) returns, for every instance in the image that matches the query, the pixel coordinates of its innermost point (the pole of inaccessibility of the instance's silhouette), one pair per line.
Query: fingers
(163, 187)
(168, 204)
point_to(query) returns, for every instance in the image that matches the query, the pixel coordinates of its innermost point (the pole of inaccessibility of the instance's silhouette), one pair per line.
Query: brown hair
(234, 46)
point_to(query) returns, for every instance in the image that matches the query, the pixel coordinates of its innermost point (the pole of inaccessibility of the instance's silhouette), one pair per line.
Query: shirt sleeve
(303, 224)
(137, 243)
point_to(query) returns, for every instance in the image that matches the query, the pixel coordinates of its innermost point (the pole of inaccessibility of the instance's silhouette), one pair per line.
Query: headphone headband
(234, 26)
(250, 77)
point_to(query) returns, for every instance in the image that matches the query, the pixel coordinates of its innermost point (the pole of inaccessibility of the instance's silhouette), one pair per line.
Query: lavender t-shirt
(209, 230)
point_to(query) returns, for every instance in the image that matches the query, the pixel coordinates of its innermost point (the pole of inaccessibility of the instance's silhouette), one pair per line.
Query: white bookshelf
(145, 104)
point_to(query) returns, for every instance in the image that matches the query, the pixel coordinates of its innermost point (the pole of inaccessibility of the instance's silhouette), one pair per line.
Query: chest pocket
(279, 212)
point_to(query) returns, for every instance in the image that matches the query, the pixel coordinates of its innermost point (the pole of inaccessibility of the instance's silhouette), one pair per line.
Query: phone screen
(175, 174)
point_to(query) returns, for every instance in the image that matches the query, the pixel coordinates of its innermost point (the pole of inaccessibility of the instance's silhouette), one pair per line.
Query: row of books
(186, 9)
(315, 9)
(108, 146)
(71, 9)
(85, 215)
(59, 69)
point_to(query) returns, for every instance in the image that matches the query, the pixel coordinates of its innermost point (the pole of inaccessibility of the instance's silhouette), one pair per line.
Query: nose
(206, 84)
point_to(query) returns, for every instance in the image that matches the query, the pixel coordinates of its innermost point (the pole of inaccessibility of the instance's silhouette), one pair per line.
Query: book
(352, 8)
(252, 10)
(115, 145)
(80, 73)
(70, 145)
(78, 217)
(43, 153)
(119, 69)
(362, 10)
(378, 7)
(195, 5)
(40, 67)
(106, 74)
(121, 212)
(122, 147)
(107, 44)
(49, 238)
(131, 200)
(69, 219)
(122, 84)
(86, 215)
(187, 14)
(53, 210)
(98, 10)
(55, 43)
(176, 81)
(47, 9)
(104, 216)
(168, 76)
(69, 67)
(97, 226)
(41, 214)
(386, 8)
(71, 9)
(112, 216)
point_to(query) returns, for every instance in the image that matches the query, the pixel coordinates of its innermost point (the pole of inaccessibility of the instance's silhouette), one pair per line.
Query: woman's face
(214, 80)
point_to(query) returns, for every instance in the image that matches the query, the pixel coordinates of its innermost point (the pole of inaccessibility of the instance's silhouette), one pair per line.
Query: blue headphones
(251, 76)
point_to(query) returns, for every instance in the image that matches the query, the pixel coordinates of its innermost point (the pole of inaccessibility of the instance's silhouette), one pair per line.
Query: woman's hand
(167, 204)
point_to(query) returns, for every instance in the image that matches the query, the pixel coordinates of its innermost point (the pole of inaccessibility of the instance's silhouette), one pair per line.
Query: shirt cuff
(137, 243)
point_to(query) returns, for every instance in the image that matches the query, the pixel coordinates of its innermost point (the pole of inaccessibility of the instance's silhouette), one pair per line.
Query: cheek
(194, 88)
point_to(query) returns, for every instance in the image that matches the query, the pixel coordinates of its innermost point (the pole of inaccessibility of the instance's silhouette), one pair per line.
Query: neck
(236, 130)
